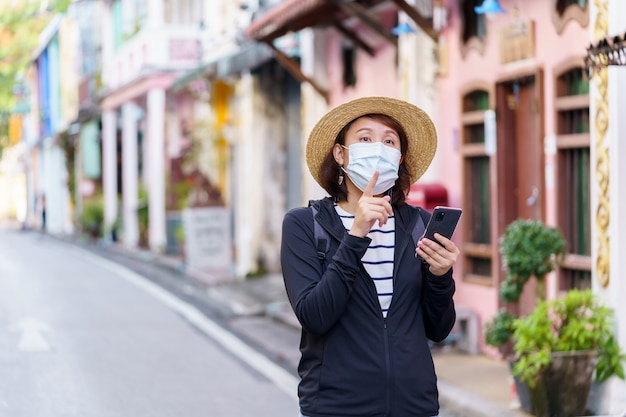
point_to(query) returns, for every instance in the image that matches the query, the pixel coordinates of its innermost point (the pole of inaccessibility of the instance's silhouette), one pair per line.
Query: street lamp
(402, 28)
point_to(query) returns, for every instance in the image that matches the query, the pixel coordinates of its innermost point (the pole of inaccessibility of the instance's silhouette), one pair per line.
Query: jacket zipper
(386, 333)
(387, 371)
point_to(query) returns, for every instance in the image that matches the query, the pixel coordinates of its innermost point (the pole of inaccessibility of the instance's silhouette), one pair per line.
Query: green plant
(113, 230)
(499, 330)
(576, 322)
(179, 192)
(529, 248)
(92, 218)
(179, 233)
(143, 212)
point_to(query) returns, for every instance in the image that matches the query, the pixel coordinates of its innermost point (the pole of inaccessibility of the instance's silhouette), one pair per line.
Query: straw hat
(419, 128)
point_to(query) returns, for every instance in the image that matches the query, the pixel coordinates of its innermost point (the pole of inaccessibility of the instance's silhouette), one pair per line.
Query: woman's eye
(366, 139)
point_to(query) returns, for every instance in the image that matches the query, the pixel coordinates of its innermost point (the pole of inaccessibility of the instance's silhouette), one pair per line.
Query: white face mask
(366, 158)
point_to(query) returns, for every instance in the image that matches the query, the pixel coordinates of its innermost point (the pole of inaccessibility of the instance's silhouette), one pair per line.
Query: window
(474, 30)
(562, 5)
(473, 24)
(573, 147)
(349, 66)
(477, 249)
(566, 10)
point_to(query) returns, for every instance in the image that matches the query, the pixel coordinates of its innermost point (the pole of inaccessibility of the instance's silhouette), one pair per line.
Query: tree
(21, 22)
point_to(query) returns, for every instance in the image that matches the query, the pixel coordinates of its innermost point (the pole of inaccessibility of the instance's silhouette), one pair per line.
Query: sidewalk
(470, 385)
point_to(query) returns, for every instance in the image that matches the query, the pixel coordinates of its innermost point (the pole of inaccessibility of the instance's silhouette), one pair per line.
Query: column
(156, 154)
(616, 142)
(107, 43)
(130, 174)
(312, 61)
(109, 166)
(240, 201)
(155, 13)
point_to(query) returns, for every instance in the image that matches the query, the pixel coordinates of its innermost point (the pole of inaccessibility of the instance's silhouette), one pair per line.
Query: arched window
(474, 29)
(566, 10)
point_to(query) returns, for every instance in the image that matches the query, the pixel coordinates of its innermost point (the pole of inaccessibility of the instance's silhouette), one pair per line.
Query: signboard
(208, 249)
(517, 41)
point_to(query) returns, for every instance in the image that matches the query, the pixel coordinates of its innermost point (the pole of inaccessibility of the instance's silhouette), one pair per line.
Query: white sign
(208, 248)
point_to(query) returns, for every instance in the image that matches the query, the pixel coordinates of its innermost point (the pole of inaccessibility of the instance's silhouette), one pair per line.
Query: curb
(466, 404)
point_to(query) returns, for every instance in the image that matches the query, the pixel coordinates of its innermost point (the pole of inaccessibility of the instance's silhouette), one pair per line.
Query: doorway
(520, 158)
(520, 150)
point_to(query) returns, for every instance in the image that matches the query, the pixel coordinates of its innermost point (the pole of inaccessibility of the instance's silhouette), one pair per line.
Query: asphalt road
(88, 331)
(84, 336)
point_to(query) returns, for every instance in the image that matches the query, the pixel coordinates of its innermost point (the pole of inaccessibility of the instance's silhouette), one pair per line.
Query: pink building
(145, 48)
(514, 127)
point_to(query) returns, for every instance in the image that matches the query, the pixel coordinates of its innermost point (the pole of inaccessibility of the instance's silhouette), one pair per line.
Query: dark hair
(330, 170)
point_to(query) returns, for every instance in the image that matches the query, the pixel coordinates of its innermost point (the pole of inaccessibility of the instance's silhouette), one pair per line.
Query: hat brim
(419, 128)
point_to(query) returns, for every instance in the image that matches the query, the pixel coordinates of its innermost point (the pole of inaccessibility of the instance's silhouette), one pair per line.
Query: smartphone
(443, 221)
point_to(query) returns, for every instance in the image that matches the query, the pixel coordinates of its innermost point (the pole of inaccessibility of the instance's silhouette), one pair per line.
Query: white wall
(613, 393)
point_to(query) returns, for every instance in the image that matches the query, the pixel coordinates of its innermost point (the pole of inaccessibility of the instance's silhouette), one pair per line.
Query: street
(88, 332)
(82, 336)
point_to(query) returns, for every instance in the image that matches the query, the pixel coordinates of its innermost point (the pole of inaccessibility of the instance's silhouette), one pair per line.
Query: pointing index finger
(369, 190)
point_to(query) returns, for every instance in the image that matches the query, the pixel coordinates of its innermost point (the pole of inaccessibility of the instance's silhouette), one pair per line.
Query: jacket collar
(406, 217)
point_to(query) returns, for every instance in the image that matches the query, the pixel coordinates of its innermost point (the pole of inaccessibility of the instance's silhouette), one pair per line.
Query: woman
(368, 310)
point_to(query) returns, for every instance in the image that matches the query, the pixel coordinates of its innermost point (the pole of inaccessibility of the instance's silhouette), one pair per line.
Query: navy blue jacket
(354, 362)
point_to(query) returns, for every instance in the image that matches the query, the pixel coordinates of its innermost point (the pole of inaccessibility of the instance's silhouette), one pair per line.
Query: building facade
(525, 136)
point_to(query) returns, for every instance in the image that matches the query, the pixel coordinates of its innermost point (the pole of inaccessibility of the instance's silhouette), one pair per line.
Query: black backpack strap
(321, 237)
(419, 229)
(420, 226)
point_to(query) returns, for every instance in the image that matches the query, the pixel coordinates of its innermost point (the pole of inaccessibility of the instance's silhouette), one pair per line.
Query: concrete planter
(563, 388)
(522, 391)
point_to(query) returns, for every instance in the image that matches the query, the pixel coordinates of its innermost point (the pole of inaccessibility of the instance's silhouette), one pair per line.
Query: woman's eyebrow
(368, 129)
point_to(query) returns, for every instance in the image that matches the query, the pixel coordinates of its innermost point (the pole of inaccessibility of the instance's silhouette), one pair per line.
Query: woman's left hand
(440, 258)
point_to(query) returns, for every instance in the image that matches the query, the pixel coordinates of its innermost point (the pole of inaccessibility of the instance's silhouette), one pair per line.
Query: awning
(295, 15)
(249, 55)
(288, 16)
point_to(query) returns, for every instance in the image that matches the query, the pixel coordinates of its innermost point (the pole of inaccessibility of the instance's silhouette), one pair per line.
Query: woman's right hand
(370, 209)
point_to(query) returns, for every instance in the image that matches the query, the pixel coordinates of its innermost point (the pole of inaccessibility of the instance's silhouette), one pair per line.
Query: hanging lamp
(489, 7)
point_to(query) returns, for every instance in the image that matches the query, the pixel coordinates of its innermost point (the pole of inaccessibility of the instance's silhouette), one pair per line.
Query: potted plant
(529, 248)
(115, 229)
(143, 216)
(179, 235)
(560, 346)
(92, 219)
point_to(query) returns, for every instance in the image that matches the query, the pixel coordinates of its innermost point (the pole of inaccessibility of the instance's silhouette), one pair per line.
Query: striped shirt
(378, 259)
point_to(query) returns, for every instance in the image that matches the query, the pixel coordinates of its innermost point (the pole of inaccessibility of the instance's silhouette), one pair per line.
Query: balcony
(166, 48)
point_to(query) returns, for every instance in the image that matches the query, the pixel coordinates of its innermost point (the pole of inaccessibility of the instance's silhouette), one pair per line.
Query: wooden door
(520, 159)
(528, 186)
